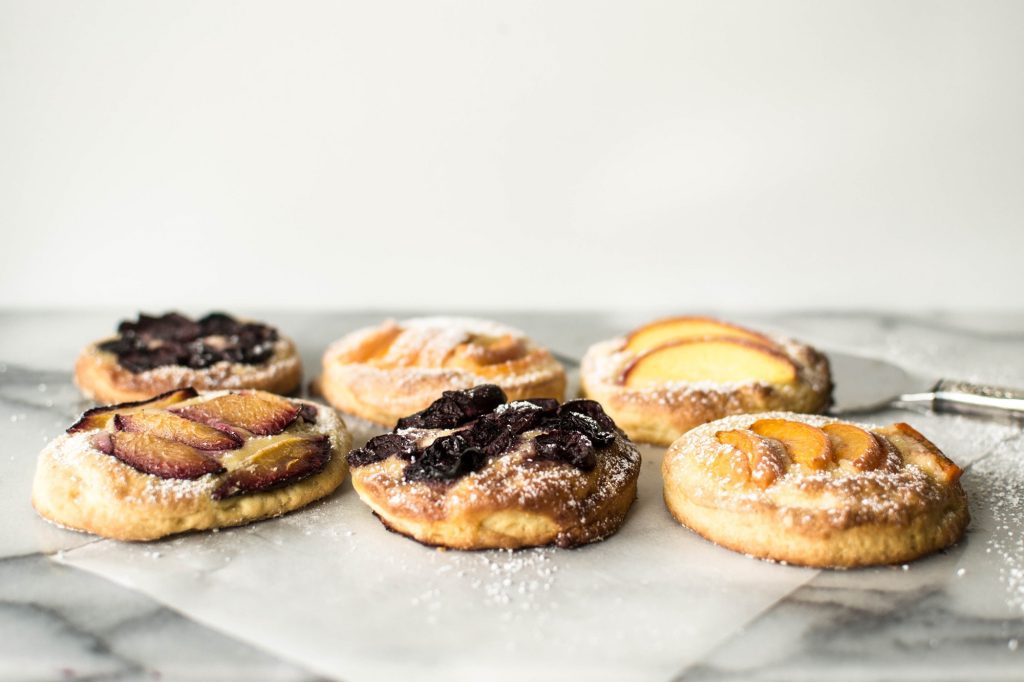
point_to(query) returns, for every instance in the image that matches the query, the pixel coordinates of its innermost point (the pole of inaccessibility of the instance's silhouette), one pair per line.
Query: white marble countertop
(958, 615)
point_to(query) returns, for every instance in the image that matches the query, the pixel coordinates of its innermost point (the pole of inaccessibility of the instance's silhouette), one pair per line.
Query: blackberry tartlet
(156, 354)
(474, 471)
(187, 461)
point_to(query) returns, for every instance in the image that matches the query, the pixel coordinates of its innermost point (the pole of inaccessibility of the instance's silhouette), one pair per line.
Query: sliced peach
(716, 360)
(767, 458)
(103, 417)
(160, 457)
(918, 450)
(852, 444)
(172, 427)
(808, 446)
(731, 467)
(661, 332)
(256, 412)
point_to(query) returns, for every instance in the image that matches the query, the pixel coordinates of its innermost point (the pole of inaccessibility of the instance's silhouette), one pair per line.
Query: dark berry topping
(174, 339)
(578, 422)
(567, 446)
(169, 327)
(570, 434)
(592, 409)
(455, 408)
(307, 413)
(446, 459)
(380, 448)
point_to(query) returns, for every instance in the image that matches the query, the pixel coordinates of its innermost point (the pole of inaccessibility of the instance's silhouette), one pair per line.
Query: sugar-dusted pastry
(396, 368)
(815, 491)
(186, 461)
(154, 355)
(473, 471)
(671, 375)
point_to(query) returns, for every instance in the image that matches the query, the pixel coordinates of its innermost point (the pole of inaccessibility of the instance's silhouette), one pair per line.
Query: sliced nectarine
(661, 332)
(918, 450)
(731, 467)
(715, 360)
(767, 457)
(172, 427)
(807, 446)
(102, 417)
(855, 445)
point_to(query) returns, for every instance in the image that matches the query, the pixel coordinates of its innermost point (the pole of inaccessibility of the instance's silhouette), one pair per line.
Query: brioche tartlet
(474, 471)
(156, 354)
(384, 372)
(815, 491)
(187, 461)
(667, 377)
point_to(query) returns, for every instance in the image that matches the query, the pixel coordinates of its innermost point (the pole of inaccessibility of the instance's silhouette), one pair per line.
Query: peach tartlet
(666, 377)
(187, 461)
(156, 354)
(396, 368)
(474, 471)
(815, 491)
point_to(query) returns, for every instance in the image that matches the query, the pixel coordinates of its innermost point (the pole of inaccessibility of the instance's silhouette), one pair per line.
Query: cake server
(864, 385)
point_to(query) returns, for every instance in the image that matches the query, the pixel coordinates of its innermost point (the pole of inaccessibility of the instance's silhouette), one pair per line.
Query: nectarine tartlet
(187, 461)
(671, 375)
(815, 491)
(474, 471)
(396, 368)
(156, 354)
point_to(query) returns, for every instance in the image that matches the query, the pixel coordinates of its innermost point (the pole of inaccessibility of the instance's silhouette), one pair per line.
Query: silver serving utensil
(864, 385)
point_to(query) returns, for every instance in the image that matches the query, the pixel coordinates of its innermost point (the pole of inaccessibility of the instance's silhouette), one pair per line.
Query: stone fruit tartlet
(474, 471)
(815, 491)
(669, 376)
(187, 461)
(396, 368)
(156, 354)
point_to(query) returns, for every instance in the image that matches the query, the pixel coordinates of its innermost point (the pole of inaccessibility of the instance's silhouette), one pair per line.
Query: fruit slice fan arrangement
(174, 339)
(762, 454)
(569, 433)
(693, 349)
(241, 436)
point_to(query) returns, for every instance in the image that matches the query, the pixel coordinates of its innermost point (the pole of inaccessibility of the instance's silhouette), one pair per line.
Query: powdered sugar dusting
(842, 496)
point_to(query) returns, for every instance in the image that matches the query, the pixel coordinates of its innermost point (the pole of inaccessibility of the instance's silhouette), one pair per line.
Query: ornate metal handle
(960, 397)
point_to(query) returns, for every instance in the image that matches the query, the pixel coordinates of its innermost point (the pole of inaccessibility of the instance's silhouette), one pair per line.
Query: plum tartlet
(474, 471)
(187, 461)
(396, 368)
(156, 354)
(815, 491)
(669, 376)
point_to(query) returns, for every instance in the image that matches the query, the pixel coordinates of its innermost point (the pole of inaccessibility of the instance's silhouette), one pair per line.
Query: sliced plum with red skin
(161, 457)
(102, 417)
(257, 412)
(172, 427)
(279, 463)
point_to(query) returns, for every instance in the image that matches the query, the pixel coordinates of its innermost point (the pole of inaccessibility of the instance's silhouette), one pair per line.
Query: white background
(512, 154)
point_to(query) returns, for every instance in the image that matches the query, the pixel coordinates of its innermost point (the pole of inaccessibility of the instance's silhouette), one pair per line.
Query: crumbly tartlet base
(824, 520)
(78, 487)
(513, 502)
(101, 378)
(424, 363)
(660, 414)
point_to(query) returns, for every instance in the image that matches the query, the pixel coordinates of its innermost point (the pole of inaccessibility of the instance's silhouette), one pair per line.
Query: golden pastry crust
(910, 505)
(659, 414)
(515, 500)
(101, 378)
(79, 487)
(396, 368)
